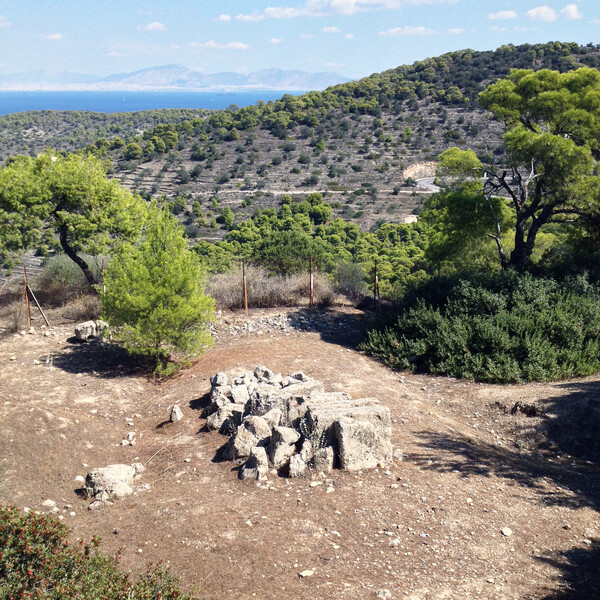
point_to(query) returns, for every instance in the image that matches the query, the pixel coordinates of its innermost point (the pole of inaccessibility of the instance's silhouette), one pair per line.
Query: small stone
(506, 531)
(469, 500)
(80, 479)
(384, 593)
(176, 414)
(49, 505)
(306, 573)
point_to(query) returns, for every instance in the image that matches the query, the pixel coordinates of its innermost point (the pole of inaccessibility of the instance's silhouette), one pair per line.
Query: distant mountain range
(170, 77)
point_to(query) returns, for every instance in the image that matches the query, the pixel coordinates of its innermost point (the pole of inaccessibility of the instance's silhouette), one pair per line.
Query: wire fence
(37, 296)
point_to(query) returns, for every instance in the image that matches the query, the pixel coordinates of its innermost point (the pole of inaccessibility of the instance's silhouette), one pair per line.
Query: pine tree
(154, 296)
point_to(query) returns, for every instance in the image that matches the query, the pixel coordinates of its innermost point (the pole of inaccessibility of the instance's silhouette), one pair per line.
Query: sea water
(110, 102)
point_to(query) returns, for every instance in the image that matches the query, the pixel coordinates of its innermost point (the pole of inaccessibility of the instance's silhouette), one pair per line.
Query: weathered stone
(325, 409)
(273, 417)
(239, 393)
(361, 444)
(281, 445)
(176, 414)
(258, 427)
(307, 451)
(219, 379)
(113, 481)
(323, 458)
(297, 466)
(257, 465)
(86, 331)
(220, 390)
(240, 444)
(228, 412)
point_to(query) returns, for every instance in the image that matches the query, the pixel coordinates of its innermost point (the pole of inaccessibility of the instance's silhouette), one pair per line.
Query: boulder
(361, 444)
(297, 466)
(282, 445)
(273, 417)
(113, 481)
(176, 414)
(323, 458)
(258, 427)
(325, 409)
(86, 331)
(231, 413)
(219, 379)
(240, 444)
(239, 393)
(257, 465)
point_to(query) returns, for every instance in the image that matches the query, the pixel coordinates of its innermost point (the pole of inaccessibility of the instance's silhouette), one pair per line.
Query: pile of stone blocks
(293, 425)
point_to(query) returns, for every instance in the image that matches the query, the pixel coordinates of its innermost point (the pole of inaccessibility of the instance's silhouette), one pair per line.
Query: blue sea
(109, 102)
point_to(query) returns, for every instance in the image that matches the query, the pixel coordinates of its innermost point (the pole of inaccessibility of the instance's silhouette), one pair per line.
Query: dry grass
(83, 308)
(266, 290)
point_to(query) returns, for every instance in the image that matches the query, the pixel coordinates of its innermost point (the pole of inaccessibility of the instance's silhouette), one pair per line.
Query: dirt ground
(497, 495)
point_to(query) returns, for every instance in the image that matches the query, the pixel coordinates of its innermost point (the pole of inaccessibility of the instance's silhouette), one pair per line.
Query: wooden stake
(38, 305)
(245, 286)
(27, 298)
(311, 298)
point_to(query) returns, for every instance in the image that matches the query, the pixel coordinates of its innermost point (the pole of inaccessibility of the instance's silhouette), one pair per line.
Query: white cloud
(348, 36)
(542, 13)
(456, 30)
(275, 40)
(217, 46)
(154, 26)
(3, 21)
(224, 18)
(113, 54)
(396, 31)
(53, 37)
(322, 8)
(503, 15)
(571, 11)
(330, 30)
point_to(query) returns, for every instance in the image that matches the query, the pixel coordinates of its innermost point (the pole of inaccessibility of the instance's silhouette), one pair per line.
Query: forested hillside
(355, 142)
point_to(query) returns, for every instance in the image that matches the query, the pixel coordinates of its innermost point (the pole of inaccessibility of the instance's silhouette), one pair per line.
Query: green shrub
(37, 561)
(509, 328)
(61, 274)
(154, 295)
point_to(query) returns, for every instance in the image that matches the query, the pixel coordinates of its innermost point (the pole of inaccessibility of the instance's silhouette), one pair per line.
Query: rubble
(292, 424)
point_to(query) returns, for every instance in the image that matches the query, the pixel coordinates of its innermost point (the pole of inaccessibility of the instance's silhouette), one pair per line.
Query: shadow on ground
(101, 359)
(569, 435)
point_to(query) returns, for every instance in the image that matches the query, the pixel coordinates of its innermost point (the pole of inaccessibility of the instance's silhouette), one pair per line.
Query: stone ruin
(293, 425)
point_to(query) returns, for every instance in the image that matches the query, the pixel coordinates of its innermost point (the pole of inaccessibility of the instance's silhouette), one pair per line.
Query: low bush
(266, 290)
(37, 561)
(509, 328)
(61, 274)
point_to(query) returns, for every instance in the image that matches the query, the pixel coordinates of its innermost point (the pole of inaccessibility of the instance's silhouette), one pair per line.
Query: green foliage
(509, 328)
(38, 562)
(154, 295)
(71, 197)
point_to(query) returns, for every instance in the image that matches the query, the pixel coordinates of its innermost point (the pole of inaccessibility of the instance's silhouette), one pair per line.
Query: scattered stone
(282, 445)
(111, 482)
(91, 330)
(361, 444)
(50, 506)
(383, 593)
(219, 379)
(176, 414)
(258, 427)
(306, 573)
(80, 479)
(240, 444)
(506, 531)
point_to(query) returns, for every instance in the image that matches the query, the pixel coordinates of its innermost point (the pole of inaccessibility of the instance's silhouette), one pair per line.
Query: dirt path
(429, 528)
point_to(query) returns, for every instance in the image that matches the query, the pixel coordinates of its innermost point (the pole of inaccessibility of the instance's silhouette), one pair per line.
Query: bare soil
(488, 502)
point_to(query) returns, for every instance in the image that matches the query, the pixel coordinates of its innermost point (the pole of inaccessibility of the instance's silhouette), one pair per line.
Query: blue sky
(352, 37)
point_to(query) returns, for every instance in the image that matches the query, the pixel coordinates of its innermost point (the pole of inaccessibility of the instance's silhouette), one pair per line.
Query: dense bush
(61, 275)
(37, 561)
(508, 328)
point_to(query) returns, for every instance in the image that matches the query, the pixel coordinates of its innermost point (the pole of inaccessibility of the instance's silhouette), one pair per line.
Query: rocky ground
(496, 497)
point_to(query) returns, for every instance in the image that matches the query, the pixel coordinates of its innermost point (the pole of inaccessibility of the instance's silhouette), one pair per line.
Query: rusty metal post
(27, 297)
(245, 287)
(311, 297)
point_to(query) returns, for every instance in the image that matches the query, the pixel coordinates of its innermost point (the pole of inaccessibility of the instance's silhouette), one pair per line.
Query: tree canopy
(552, 145)
(70, 196)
